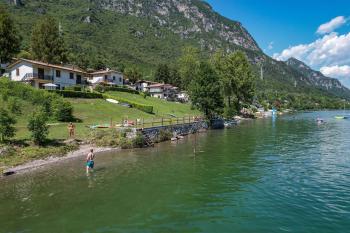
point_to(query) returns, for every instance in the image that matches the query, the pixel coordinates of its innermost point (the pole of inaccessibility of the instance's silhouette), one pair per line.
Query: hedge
(121, 89)
(141, 107)
(78, 94)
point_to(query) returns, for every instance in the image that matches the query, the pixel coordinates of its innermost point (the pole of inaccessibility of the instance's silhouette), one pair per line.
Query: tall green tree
(204, 91)
(188, 65)
(9, 37)
(7, 122)
(236, 77)
(47, 43)
(132, 74)
(162, 74)
(175, 77)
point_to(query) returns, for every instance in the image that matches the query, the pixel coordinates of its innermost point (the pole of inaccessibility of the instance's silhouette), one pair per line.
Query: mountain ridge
(123, 33)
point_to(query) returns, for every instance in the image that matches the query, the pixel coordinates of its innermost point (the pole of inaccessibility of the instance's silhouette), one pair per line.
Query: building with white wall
(40, 73)
(106, 77)
(162, 91)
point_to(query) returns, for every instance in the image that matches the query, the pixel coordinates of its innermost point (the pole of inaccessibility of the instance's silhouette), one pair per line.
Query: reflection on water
(283, 174)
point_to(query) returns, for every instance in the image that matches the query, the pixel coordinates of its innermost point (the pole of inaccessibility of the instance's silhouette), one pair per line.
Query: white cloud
(331, 25)
(330, 50)
(341, 72)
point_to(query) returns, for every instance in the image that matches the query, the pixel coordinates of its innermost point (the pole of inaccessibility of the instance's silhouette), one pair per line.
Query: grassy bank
(87, 112)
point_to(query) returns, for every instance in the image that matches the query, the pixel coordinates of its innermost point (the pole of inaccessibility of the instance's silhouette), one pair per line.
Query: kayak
(341, 117)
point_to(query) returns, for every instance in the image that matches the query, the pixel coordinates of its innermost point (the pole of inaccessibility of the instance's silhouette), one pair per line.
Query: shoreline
(39, 163)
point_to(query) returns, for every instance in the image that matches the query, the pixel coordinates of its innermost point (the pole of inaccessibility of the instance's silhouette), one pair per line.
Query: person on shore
(90, 161)
(71, 129)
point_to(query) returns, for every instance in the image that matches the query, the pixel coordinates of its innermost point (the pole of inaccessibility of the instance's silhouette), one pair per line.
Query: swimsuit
(90, 164)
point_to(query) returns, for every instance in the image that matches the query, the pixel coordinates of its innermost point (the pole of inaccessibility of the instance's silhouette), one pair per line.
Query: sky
(315, 32)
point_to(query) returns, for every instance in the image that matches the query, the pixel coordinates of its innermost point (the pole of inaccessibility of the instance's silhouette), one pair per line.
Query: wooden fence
(142, 123)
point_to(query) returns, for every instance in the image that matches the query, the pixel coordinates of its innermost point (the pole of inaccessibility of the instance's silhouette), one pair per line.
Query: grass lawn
(161, 108)
(98, 111)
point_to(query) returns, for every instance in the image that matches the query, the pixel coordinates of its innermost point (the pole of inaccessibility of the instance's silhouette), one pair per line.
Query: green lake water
(284, 175)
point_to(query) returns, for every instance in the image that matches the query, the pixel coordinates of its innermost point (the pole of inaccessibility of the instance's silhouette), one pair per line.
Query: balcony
(32, 76)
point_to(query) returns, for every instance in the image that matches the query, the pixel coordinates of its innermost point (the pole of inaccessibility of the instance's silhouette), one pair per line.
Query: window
(106, 77)
(17, 72)
(113, 78)
(58, 74)
(120, 80)
(71, 75)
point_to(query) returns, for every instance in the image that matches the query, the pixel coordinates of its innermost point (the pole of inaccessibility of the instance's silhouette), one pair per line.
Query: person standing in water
(90, 161)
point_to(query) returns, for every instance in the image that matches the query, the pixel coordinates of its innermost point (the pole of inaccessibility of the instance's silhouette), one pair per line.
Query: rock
(8, 173)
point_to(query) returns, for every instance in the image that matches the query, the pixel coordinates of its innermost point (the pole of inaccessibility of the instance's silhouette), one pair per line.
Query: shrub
(38, 127)
(7, 122)
(139, 140)
(164, 135)
(78, 94)
(142, 107)
(63, 111)
(126, 143)
(14, 105)
(74, 88)
(122, 89)
(108, 137)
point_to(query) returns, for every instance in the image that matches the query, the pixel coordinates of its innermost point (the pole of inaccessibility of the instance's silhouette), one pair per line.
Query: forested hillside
(143, 34)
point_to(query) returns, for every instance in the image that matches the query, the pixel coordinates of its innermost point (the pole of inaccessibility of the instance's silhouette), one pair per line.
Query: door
(41, 73)
(78, 79)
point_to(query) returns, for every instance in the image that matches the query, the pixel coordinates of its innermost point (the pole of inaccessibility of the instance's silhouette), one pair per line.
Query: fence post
(143, 123)
(152, 121)
(162, 121)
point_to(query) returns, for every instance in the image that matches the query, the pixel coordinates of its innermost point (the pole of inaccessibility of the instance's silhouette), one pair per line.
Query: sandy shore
(81, 152)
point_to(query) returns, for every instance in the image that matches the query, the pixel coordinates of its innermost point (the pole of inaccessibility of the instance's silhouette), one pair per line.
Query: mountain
(123, 33)
(317, 79)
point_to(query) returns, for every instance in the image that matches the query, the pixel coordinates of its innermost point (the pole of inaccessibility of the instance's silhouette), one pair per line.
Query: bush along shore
(16, 158)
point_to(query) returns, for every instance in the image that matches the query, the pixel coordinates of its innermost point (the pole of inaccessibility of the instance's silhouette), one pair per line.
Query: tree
(188, 65)
(47, 43)
(38, 127)
(175, 78)
(236, 78)
(14, 105)
(7, 122)
(63, 111)
(204, 91)
(132, 74)
(9, 38)
(162, 74)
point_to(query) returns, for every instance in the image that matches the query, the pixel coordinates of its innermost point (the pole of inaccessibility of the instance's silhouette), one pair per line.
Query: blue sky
(285, 28)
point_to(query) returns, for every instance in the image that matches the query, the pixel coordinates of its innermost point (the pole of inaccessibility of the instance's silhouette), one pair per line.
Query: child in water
(90, 161)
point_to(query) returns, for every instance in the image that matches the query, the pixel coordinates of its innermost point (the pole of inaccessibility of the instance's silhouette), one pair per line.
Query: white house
(40, 73)
(162, 91)
(142, 85)
(107, 77)
(182, 96)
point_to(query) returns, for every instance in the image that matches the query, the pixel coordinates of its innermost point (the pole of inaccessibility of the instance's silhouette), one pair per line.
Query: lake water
(283, 175)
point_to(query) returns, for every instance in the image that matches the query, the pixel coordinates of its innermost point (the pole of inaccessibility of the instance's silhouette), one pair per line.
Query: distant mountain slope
(317, 79)
(148, 32)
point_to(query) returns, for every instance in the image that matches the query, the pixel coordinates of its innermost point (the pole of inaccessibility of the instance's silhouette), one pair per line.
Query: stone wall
(176, 130)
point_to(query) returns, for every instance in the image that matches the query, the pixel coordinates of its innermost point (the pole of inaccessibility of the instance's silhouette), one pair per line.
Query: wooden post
(152, 121)
(143, 123)
(162, 121)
